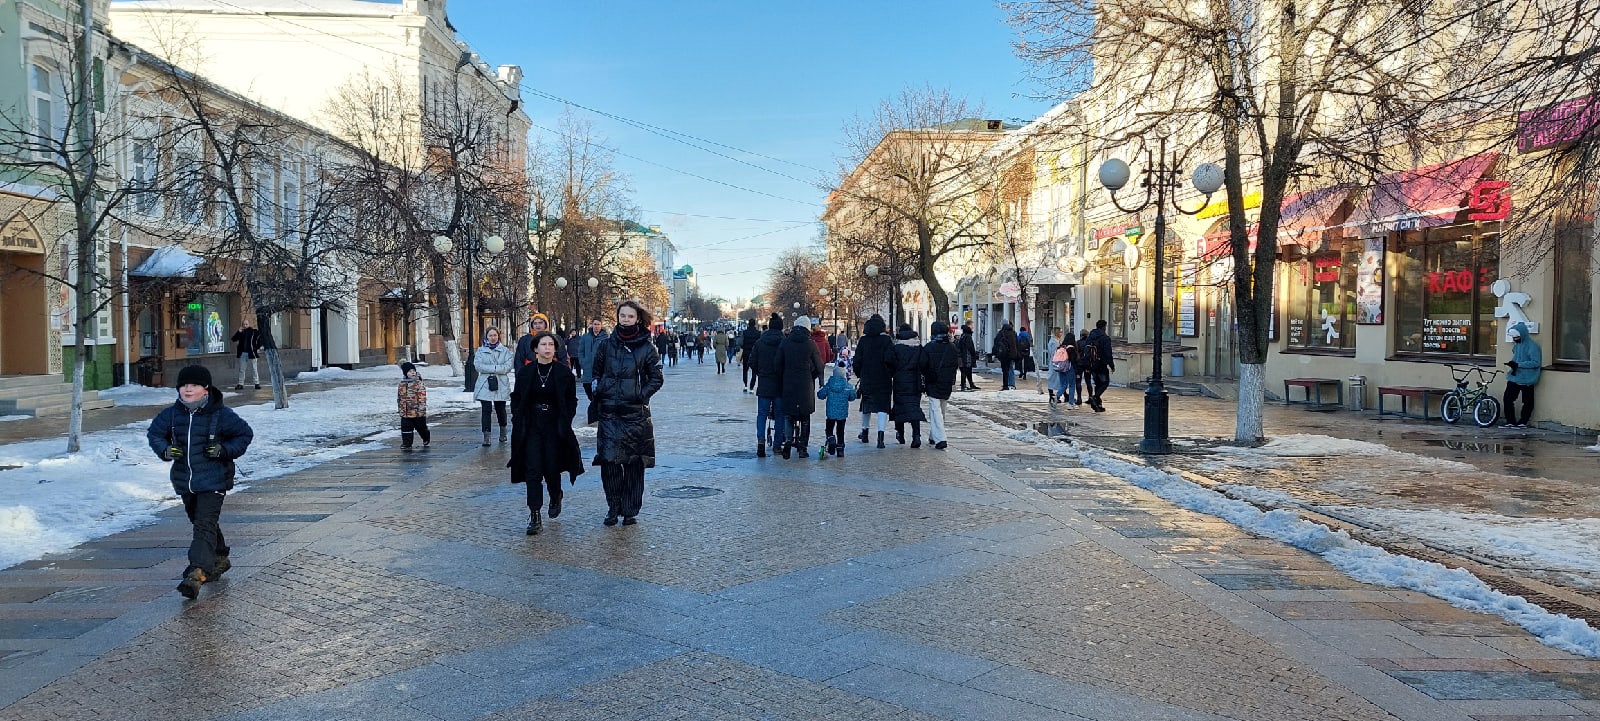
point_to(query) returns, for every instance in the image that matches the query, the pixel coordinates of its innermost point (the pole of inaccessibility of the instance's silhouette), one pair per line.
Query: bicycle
(1485, 407)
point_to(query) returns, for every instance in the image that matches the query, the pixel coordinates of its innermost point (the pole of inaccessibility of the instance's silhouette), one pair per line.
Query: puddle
(1490, 447)
(686, 492)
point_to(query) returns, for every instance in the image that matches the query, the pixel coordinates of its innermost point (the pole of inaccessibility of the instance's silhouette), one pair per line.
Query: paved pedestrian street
(990, 581)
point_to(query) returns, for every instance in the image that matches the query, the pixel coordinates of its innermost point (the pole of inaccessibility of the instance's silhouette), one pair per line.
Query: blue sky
(772, 77)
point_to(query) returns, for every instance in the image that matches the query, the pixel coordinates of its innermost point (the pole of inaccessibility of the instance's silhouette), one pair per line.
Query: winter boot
(900, 433)
(880, 439)
(502, 434)
(916, 434)
(535, 524)
(941, 445)
(405, 440)
(783, 450)
(555, 505)
(190, 585)
(863, 435)
(485, 439)
(761, 450)
(220, 567)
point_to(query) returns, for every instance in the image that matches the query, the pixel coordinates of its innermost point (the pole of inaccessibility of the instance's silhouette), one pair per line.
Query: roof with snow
(376, 8)
(168, 262)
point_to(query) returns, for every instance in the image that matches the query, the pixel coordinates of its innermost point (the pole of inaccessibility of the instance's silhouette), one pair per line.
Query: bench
(1406, 393)
(1312, 385)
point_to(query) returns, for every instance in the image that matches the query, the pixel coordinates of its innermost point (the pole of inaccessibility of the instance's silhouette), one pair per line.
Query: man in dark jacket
(1008, 351)
(874, 364)
(200, 437)
(247, 348)
(584, 348)
(967, 356)
(747, 351)
(802, 372)
(1095, 355)
(939, 374)
(768, 359)
(909, 368)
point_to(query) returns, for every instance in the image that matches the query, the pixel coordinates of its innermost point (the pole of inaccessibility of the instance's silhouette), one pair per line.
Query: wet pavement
(993, 580)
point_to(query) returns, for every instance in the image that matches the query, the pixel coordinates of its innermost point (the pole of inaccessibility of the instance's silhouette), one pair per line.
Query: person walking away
(660, 341)
(247, 348)
(495, 364)
(837, 393)
(627, 373)
(1007, 352)
(967, 355)
(768, 370)
(940, 362)
(1054, 372)
(200, 437)
(747, 349)
(910, 367)
(586, 345)
(874, 364)
(1080, 372)
(824, 348)
(412, 398)
(543, 445)
(1525, 364)
(802, 374)
(732, 345)
(1025, 349)
(719, 351)
(1095, 353)
(1064, 362)
(672, 348)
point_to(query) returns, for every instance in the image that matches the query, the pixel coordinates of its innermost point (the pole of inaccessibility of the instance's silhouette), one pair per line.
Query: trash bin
(1177, 365)
(1357, 397)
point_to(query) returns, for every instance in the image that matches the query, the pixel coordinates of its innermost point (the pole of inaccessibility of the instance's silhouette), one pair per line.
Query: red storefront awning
(1311, 210)
(1420, 198)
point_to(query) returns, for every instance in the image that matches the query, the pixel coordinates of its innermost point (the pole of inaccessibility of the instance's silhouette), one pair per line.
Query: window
(206, 319)
(265, 204)
(42, 83)
(145, 165)
(1442, 292)
(1322, 298)
(189, 174)
(1574, 301)
(291, 202)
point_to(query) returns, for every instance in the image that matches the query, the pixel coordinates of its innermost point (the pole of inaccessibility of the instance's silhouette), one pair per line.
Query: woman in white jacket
(495, 363)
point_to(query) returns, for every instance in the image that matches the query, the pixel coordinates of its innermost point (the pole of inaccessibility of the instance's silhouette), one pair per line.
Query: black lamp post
(577, 310)
(469, 250)
(1160, 176)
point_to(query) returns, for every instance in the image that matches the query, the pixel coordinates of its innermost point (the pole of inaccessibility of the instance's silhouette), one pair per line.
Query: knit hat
(802, 322)
(775, 322)
(939, 327)
(838, 370)
(539, 316)
(196, 375)
(406, 368)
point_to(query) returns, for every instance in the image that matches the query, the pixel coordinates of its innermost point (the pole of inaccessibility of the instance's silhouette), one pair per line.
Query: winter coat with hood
(532, 453)
(498, 362)
(802, 369)
(909, 369)
(1102, 346)
(824, 348)
(769, 364)
(719, 343)
(966, 348)
(192, 431)
(838, 393)
(584, 347)
(627, 373)
(1526, 358)
(874, 365)
(1006, 346)
(942, 361)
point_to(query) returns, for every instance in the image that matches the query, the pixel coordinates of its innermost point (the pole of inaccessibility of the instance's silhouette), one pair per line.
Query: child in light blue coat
(838, 393)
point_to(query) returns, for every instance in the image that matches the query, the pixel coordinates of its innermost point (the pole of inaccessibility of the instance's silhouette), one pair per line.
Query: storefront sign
(1489, 200)
(1220, 207)
(1325, 269)
(1558, 124)
(1446, 335)
(1510, 308)
(1297, 332)
(1456, 281)
(1188, 318)
(19, 236)
(1369, 283)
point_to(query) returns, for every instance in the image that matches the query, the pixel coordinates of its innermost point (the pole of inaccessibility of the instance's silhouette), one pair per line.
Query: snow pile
(1304, 445)
(3, 419)
(1019, 395)
(1360, 561)
(50, 502)
(1543, 544)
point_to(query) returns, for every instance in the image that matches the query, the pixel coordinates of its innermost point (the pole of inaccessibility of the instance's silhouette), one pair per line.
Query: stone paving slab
(895, 583)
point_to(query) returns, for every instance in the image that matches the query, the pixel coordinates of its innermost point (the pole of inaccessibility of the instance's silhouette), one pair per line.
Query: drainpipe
(127, 331)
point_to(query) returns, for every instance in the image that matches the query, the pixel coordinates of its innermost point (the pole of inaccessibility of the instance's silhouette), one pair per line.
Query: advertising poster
(1369, 283)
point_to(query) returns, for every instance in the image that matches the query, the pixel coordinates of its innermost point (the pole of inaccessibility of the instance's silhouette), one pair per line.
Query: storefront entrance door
(24, 316)
(1222, 360)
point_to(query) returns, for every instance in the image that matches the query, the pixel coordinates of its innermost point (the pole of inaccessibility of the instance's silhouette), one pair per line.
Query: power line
(742, 237)
(724, 217)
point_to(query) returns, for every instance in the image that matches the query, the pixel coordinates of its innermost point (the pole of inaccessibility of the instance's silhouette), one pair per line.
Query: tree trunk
(925, 263)
(443, 310)
(269, 346)
(75, 422)
(1248, 426)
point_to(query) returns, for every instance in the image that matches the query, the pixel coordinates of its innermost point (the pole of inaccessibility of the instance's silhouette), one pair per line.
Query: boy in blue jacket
(200, 437)
(838, 393)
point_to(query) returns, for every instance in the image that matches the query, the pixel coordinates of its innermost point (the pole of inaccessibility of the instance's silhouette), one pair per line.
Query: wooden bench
(1406, 393)
(1312, 384)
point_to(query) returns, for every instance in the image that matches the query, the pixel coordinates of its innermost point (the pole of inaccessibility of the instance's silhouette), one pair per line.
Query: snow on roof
(376, 8)
(168, 262)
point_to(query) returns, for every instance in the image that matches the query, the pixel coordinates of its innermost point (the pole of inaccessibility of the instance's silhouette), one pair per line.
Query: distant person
(543, 444)
(910, 367)
(802, 371)
(837, 393)
(1007, 350)
(585, 348)
(747, 349)
(200, 437)
(719, 351)
(412, 399)
(767, 359)
(940, 362)
(1025, 349)
(495, 364)
(874, 364)
(967, 357)
(1526, 362)
(247, 344)
(536, 325)
(1095, 354)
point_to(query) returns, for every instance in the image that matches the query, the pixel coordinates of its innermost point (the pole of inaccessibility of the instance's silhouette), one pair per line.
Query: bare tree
(917, 163)
(794, 277)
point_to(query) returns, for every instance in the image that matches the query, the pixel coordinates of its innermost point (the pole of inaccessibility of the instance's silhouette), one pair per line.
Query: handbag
(494, 384)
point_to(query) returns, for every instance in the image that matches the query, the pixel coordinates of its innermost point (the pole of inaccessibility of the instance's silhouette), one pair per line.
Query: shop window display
(1574, 300)
(1443, 302)
(207, 321)
(1322, 298)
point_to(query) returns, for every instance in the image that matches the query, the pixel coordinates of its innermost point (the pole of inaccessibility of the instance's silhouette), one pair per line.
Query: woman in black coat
(627, 372)
(909, 366)
(543, 445)
(874, 363)
(967, 355)
(802, 369)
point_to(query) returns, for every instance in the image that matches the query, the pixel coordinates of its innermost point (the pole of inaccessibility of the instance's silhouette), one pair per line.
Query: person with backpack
(1008, 352)
(1095, 355)
(1055, 355)
(1025, 349)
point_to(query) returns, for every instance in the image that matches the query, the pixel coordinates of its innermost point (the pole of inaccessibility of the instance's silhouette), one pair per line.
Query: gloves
(1512, 364)
(173, 453)
(214, 451)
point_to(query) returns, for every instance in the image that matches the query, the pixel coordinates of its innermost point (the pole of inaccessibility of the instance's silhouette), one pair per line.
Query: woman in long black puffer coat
(874, 363)
(627, 372)
(909, 368)
(543, 445)
(802, 368)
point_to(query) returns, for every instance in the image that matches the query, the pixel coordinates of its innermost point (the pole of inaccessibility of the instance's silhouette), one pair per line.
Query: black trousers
(1512, 391)
(418, 425)
(205, 513)
(499, 411)
(749, 374)
(1100, 380)
(624, 485)
(835, 430)
(800, 435)
(536, 490)
(1008, 372)
(966, 377)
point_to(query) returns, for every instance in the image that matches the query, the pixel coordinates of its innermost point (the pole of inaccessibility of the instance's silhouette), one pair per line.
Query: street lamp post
(469, 250)
(577, 310)
(1160, 175)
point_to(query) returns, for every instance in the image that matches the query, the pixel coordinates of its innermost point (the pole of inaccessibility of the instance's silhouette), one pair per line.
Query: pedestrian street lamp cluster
(470, 251)
(834, 296)
(1160, 182)
(577, 310)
